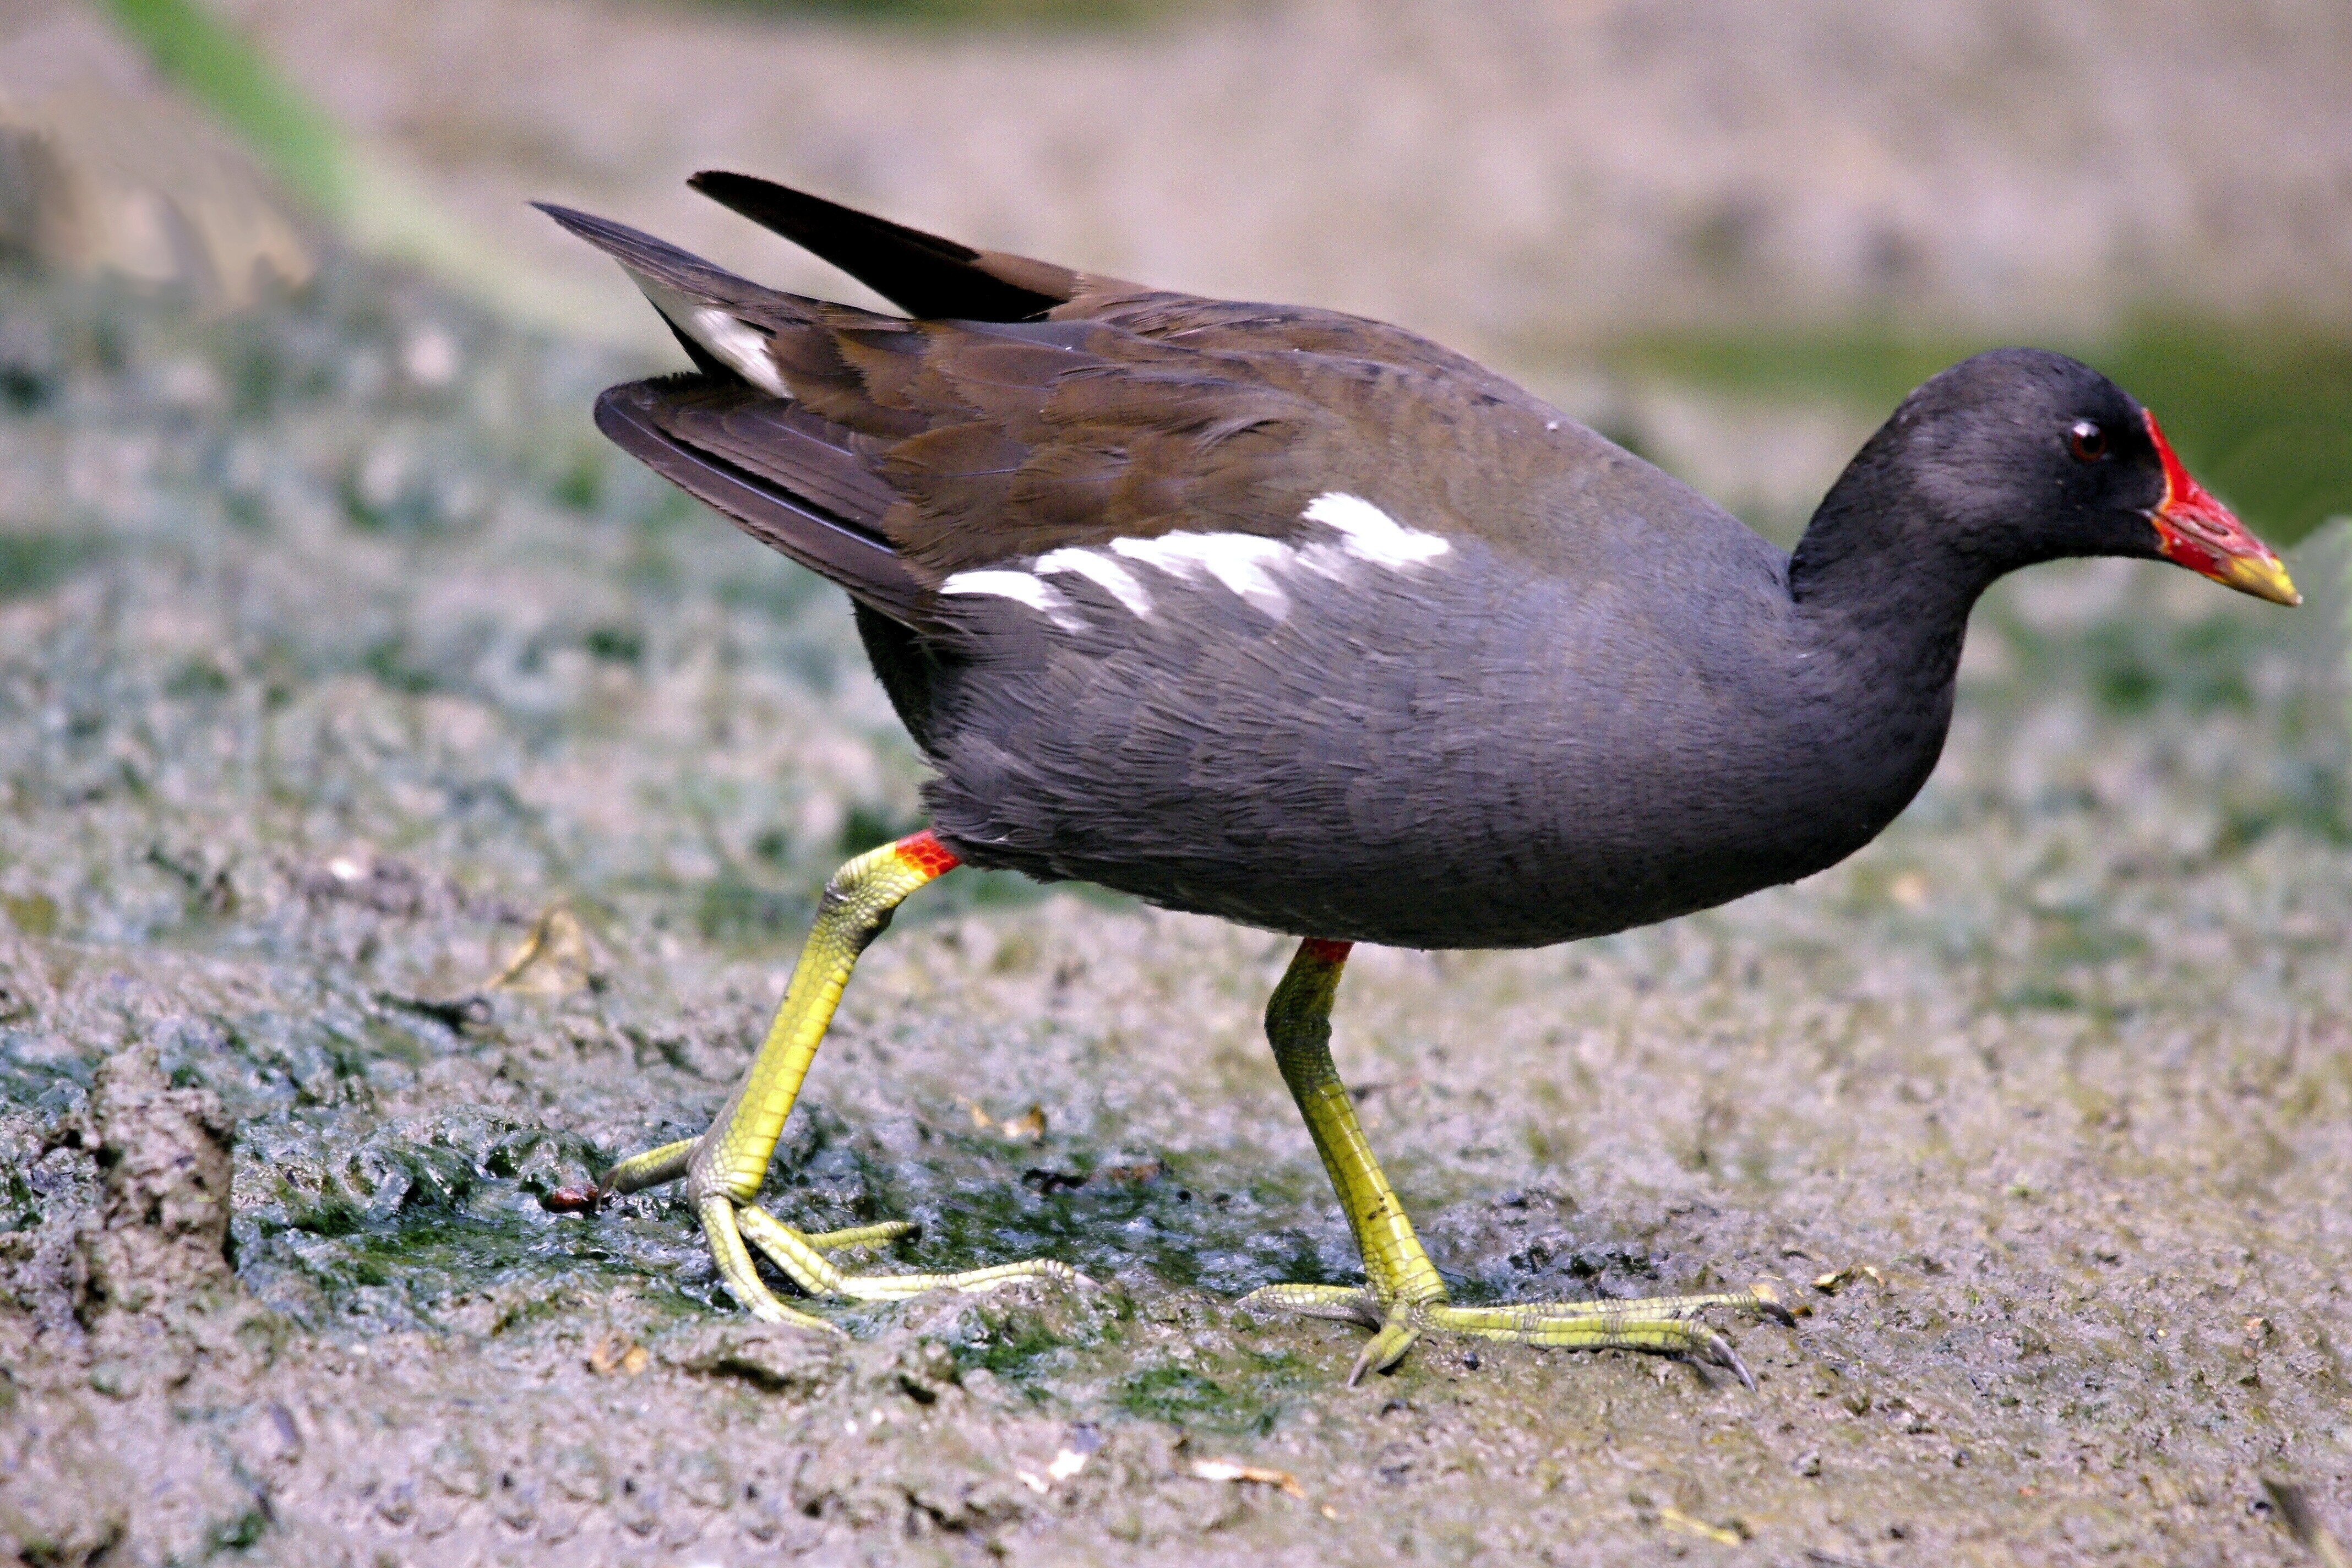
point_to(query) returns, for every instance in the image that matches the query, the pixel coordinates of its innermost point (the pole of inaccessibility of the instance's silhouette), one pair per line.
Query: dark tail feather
(926, 276)
(638, 417)
(657, 261)
(661, 261)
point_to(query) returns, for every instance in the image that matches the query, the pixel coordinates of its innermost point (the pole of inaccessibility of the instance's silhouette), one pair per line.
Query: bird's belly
(1412, 900)
(1416, 847)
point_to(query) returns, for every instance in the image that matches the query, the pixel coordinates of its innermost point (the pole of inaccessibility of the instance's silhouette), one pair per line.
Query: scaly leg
(724, 1167)
(1401, 1295)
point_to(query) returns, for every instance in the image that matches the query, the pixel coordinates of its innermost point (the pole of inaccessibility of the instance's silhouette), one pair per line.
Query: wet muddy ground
(340, 665)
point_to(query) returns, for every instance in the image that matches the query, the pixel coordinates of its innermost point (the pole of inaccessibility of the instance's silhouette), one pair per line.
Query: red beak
(2195, 530)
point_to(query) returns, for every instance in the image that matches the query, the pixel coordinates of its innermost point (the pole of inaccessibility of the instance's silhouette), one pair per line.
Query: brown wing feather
(1126, 413)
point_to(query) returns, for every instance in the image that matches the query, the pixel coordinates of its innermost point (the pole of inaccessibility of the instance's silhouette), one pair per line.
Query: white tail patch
(1103, 573)
(741, 348)
(732, 342)
(1372, 534)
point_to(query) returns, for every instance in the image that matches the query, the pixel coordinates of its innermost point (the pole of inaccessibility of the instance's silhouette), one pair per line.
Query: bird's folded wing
(962, 444)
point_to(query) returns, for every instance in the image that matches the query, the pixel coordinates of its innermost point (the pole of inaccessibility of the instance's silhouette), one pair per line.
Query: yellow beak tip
(2263, 579)
(2281, 590)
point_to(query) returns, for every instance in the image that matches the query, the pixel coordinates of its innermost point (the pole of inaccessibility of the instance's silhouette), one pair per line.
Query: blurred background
(388, 758)
(1676, 221)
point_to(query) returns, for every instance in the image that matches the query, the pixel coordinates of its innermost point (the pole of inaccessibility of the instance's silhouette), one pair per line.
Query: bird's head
(2028, 455)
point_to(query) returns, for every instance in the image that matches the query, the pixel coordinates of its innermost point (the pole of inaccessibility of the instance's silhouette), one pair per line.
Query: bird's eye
(2086, 441)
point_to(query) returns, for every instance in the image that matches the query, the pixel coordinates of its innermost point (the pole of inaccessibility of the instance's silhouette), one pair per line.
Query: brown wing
(1124, 413)
(934, 278)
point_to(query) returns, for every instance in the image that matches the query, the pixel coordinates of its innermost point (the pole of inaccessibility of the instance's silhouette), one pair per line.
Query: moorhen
(1296, 619)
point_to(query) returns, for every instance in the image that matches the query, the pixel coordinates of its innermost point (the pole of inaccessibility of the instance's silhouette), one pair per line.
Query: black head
(2020, 456)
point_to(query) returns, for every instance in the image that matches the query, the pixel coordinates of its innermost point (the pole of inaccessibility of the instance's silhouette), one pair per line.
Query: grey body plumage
(1483, 753)
(1561, 694)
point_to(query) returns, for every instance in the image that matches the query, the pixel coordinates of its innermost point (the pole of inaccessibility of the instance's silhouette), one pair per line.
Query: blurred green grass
(298, 143)
(2263, 415)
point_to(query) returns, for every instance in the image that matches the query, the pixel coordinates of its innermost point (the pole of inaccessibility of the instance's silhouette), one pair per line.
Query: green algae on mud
(361, 670)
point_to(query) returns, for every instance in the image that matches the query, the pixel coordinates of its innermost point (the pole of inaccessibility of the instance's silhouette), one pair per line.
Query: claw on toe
(1715, 1351)
(1386, 1348)
(1764, 1296)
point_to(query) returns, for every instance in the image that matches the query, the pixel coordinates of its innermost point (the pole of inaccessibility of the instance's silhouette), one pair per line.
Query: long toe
(720, 1228)
(1338, 1303)
(1661, 1325)
(801, 1256)
(971, 1282)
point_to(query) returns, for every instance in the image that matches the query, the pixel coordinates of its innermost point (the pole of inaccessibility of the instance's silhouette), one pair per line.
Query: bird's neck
(1883, 594)
(1883, 585)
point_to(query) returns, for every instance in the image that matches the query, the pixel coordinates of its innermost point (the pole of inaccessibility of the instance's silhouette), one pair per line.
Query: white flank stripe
(1242, 562)
(1372, 534)
(1018, 586)
(1103, 573)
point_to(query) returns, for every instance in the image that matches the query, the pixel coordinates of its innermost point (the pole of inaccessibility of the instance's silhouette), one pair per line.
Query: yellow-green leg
(724, 1167)
(1401, 1295)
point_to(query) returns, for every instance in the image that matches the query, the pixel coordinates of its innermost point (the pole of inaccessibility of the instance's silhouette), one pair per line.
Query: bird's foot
(802, 1257)
(729, 1223)
(1667, 1325)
